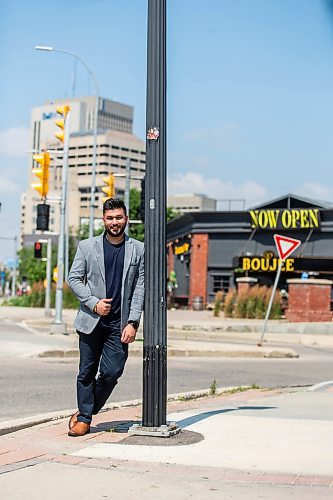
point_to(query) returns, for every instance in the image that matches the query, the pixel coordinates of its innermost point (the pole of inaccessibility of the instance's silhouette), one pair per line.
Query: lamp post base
(168, 430)
(58, 327)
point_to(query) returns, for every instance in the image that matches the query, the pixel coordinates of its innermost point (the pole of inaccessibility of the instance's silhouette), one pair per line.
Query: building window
(221, 282)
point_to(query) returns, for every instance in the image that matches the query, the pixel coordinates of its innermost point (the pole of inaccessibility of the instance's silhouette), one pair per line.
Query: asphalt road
(29, 386)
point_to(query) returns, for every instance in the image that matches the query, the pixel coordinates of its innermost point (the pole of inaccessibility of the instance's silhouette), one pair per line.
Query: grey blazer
(87, 281)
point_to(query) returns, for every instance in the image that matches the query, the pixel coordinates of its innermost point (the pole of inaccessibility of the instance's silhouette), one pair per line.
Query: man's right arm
(76, 279)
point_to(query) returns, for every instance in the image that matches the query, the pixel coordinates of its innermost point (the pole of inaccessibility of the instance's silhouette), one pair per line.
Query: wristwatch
(135, 324)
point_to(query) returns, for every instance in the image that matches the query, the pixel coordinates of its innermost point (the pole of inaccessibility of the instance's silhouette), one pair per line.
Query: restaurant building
(210, 250)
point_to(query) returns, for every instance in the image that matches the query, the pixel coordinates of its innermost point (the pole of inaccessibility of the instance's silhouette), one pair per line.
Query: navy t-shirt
(114, 265)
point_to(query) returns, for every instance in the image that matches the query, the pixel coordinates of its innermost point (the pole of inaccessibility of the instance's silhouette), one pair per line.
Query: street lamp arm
(82, 61)
(93, 173)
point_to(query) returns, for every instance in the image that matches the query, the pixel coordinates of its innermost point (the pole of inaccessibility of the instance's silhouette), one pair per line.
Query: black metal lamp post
(155, 321)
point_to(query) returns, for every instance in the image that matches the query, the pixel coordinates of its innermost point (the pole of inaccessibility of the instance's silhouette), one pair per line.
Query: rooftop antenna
(74, 78)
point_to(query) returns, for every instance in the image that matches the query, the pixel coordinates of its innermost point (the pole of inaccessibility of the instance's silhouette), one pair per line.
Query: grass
(213, 388)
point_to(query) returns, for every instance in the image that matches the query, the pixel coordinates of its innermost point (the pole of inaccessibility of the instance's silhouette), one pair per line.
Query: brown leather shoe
(73, 420)
(80, 429)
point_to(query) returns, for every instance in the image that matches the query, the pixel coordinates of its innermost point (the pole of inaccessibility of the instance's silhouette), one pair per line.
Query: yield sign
(285, 246)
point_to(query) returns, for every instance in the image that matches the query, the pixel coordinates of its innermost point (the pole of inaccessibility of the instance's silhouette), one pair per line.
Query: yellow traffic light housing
(42, 172)
(109, 189)
(63, 111)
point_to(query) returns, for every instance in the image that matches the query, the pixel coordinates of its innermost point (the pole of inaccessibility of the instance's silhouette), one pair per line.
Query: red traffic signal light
(38, 250)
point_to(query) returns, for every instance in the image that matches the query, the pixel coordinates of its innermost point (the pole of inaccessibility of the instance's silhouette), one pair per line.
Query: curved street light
(93, 174)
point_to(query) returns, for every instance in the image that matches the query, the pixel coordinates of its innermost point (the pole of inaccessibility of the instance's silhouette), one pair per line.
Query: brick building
(209, 250)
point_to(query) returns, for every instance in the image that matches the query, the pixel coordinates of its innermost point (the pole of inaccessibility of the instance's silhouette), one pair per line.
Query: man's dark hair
(113, 203)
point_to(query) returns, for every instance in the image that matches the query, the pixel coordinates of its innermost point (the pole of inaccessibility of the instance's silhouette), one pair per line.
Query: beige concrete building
(115, 143)
(191, 203)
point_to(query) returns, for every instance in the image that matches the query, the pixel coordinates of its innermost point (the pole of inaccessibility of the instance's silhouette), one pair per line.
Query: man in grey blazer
(107, 276)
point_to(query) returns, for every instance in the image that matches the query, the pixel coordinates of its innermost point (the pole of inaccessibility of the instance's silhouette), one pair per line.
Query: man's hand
(128, 335)
(103, 307)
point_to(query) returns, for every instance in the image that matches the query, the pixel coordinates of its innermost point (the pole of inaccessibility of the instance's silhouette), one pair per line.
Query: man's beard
(120, 231)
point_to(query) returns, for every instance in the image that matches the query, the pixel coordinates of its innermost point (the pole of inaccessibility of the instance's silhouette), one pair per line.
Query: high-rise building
(183, 203)
(115, 144)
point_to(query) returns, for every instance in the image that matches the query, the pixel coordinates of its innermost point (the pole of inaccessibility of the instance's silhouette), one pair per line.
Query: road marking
(321, 385)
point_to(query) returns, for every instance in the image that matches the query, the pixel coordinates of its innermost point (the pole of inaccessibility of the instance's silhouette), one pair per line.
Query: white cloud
(315, 190)
(192, 182)
(14, 141)
(8, 186)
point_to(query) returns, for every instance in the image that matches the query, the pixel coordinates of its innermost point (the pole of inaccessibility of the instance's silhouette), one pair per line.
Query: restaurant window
(221, 282)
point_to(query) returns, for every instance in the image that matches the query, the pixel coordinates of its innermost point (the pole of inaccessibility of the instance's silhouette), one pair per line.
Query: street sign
(285, 245)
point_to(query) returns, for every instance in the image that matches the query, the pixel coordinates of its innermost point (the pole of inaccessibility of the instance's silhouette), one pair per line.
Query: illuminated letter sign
(265, 264)
(295, 218)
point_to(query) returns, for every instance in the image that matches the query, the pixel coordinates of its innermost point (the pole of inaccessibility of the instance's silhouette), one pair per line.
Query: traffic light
(42, 171)
(63, 111)
(38, 250)
(142, 201)
(109, 189)
(43, 217)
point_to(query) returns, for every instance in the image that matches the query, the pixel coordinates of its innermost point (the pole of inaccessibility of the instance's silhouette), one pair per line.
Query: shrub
(37, 297)
(69, 299)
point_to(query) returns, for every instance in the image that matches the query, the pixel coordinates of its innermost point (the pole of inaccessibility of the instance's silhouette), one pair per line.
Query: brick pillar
(198, 267)
(309, 300)
(171, 258)
(243, 284)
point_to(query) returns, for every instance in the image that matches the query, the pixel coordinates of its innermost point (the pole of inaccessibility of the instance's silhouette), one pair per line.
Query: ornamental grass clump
(252, 303)
(241, 304)
(276, 311)
(262, 299)
(229, 303)
(218, 303)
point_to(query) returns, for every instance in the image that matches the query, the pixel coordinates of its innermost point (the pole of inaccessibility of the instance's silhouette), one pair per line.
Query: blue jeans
(101, 351)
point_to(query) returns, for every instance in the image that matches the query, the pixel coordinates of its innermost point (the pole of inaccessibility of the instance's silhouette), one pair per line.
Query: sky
(249, 91)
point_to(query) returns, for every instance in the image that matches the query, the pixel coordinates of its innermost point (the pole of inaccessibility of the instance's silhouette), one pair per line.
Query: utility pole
(155, 320)
(14, 268)
(48, 278)
(128, 190)
(58, 325)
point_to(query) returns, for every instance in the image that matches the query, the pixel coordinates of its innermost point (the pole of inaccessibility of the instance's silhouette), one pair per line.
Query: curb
(173, 351)
(44, 418)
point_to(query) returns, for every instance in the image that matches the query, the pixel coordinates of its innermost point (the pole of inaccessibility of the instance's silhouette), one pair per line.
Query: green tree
(83, 231)
(172, 214)
(33, 269)
(136, 230)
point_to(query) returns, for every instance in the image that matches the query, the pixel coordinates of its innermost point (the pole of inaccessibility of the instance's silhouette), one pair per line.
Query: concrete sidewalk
(255, 444)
